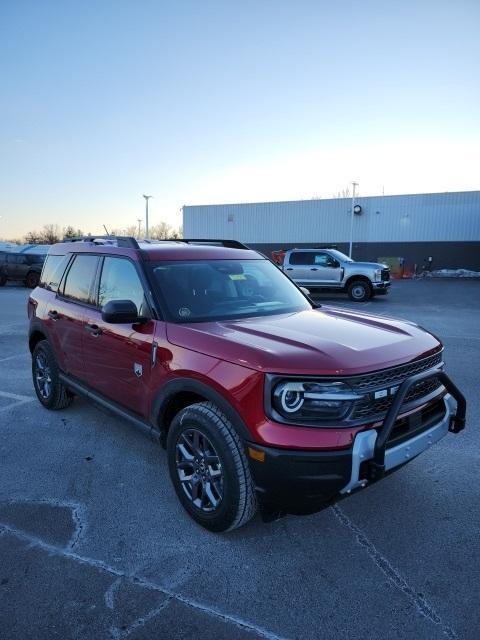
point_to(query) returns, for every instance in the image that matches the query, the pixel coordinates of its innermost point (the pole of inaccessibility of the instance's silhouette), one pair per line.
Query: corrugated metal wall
(427, 217)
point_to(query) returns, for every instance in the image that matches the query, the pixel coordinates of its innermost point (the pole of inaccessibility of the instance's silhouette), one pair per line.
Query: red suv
(259, 397)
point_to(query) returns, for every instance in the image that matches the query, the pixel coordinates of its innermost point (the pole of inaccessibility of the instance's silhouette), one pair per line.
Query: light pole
(147, 198)
(139, 220)
(354, 184)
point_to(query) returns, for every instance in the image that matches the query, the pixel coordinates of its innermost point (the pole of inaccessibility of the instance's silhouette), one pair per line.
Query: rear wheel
(208, 468)
(359, 291)
(45, 372)
(32, 279)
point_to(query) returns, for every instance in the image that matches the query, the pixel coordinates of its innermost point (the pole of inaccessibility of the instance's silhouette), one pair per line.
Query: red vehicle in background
(260, 397)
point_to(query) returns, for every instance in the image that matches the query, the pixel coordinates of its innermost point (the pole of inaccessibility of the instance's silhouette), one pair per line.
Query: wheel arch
(34, 338)
(360, 277)
(177, 394)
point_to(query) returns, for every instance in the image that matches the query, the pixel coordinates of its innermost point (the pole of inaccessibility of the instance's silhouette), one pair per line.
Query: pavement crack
(417, 599)
(67, 552)
(119, 634)
(110, 594)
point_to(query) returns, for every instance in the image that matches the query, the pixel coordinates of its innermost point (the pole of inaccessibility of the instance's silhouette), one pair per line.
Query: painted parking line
(18, 400)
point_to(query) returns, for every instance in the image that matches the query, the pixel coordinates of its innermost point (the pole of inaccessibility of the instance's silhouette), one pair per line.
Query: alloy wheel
(199, 470)
(43, 376)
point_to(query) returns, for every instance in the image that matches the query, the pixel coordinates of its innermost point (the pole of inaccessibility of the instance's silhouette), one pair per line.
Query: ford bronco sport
(260, 398)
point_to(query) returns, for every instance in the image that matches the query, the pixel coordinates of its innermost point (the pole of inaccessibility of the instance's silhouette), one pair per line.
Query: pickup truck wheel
(208, 468)
(45, 372)
(32, 279)
(359, 291)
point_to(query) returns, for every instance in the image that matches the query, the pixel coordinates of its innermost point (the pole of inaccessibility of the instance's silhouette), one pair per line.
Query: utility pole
(147, 198)
(139, 220)
(354, 184)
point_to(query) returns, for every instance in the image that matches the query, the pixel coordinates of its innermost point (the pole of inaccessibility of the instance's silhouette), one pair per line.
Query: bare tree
(71, 232)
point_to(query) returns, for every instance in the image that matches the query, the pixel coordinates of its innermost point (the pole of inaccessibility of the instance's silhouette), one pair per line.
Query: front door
(118, 357)
(326, 269)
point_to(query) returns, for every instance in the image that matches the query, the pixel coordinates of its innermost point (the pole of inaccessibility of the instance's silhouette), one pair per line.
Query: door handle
(289, 269)
(93, 329)
(53, 315)
(314, 269)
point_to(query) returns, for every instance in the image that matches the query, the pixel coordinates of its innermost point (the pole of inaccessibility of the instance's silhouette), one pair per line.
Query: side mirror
(121, 312)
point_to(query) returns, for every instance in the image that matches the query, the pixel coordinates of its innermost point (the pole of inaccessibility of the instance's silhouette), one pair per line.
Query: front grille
(394, 375)
(386, 274)
(415, 423)
(370, 408)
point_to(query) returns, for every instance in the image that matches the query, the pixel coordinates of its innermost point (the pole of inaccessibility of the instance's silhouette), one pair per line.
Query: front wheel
(209, 469)
(359, 291)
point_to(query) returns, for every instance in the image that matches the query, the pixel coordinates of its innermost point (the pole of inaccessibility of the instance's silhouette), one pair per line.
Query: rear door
(299, 266)
(67, 313)
(118, 357)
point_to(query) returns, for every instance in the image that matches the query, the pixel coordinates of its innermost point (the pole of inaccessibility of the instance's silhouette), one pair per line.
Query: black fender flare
(181, 385)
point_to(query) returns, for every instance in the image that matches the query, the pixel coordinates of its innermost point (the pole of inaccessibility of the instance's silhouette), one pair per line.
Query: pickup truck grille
(386, 274)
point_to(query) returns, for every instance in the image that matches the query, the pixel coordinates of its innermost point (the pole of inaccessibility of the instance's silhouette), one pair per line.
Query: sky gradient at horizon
(217, 102)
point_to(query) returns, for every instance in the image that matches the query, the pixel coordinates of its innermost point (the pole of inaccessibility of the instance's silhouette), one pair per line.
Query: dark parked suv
(261, 398)
(21, 266)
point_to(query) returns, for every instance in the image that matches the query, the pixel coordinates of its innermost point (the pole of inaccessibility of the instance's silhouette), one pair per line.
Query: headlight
(378, 274)
(311, 400)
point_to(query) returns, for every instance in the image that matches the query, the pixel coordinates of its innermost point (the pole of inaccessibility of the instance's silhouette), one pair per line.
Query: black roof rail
(230, 244)
(120, 241)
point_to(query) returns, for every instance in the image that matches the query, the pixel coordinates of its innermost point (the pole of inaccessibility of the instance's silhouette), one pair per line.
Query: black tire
(359, 291)
(52, 394)
(232, 489)
(32, 279)
(3, 279)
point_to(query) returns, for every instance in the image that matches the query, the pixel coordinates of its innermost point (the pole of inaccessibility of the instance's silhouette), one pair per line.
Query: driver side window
(120, 281)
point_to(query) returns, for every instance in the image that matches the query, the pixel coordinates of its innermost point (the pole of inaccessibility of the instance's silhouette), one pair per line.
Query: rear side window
(52, 272)
(120, 281)
(80, 278)
(302, 257)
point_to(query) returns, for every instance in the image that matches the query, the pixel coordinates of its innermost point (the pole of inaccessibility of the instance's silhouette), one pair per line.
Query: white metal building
(444, 226)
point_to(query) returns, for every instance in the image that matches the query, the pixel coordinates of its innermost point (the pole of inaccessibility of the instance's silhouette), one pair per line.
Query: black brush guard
(457, 421)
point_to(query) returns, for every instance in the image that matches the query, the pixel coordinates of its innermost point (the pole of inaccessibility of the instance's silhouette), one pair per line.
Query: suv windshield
(206, 290)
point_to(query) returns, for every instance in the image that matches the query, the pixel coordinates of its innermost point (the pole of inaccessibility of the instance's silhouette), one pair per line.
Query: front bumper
(301, 482)
(381, 286)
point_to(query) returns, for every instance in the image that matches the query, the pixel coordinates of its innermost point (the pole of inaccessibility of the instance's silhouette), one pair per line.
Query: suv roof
(174, 249)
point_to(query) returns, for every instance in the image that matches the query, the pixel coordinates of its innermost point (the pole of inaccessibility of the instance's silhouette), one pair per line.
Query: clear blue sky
(197, 102)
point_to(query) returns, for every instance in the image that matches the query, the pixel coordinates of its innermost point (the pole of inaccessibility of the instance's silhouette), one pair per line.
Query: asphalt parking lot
(94, 544)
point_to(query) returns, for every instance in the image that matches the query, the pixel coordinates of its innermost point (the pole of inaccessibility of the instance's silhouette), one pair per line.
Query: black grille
(385, 274)
(369, 408)
(395, 375)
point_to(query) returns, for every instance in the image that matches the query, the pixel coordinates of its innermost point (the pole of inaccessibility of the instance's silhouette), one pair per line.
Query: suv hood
(326, 342)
